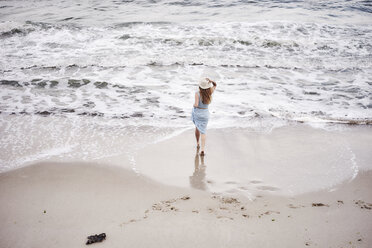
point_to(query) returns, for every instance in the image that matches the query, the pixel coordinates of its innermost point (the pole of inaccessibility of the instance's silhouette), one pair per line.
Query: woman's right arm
(214, 84)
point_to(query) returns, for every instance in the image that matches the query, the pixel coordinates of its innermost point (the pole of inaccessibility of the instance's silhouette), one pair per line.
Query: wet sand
(288, 161)
(60, 204)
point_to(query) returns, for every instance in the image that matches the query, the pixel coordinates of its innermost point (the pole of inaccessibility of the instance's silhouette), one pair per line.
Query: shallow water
(289, 160)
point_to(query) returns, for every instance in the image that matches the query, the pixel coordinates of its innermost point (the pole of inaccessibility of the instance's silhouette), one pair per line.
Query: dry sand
(60, 204)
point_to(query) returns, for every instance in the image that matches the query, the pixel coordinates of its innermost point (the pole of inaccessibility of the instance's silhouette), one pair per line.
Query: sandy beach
(97, 114)
(51, 204)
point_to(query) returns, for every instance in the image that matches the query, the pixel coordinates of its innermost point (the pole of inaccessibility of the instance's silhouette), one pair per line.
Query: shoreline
(288, 160)
(81, 199)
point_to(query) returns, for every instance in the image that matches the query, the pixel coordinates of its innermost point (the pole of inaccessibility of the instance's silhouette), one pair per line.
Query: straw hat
(204, 83)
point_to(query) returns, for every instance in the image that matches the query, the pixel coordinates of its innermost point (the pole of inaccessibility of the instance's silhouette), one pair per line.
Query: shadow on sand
(197, 180)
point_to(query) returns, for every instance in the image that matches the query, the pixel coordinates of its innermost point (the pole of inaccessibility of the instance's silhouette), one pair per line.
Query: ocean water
(108, 68)
(140, 60)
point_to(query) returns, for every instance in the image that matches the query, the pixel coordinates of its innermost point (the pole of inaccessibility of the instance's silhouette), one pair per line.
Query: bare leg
(203, 138)
(197, 135)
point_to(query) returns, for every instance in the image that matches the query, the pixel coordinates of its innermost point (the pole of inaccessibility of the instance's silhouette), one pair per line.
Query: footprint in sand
(268, 188)
(293, 206)
(225, 217)
(229, 205)
(166, 205)
(230, 182)
(163, 206)
(269, 213)
(229, 200)
(255, 182)
(363, 205)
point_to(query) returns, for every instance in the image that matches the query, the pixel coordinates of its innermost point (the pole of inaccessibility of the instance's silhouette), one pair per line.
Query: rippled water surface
(296, 60)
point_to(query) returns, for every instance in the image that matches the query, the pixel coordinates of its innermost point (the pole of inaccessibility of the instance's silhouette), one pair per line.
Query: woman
(200, 112)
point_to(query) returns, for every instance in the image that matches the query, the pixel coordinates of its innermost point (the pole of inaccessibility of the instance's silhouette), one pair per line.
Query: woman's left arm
(196, 104)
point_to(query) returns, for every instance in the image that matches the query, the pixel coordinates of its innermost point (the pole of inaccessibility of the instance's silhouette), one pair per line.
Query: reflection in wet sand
(197, 180)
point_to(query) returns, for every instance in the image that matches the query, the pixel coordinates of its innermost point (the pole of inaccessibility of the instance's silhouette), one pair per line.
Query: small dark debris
(319, 205)
(76, 83)
(178, 110)
(44, 211)
(100, 85)
(154, 100)
(89, 104)
(342, 202)
(91, 114)
(137, 114)
(96, 238)
(11, 83)
(40, 84)
(124, 37)
(311, 93)
(66, 110)
(44, 113)
(53, 83)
